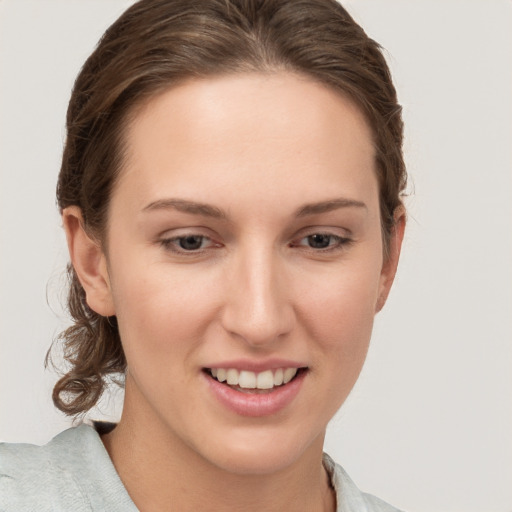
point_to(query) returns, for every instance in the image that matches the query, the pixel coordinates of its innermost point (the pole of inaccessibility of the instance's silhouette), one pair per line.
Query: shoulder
(72, 472)
(41, 476)
(348, 496)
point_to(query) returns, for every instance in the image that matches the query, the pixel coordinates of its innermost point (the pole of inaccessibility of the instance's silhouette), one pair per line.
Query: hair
(156, 44)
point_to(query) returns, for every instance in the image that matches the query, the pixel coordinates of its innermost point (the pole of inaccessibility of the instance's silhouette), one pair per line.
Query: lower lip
(256, 404)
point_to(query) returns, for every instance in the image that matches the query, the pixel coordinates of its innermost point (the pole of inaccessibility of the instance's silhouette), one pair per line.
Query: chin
(262, 451)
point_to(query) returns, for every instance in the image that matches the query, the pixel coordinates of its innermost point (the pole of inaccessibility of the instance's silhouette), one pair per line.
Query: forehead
(263, 132)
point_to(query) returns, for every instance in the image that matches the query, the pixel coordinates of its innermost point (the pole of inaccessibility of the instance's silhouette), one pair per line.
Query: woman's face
(244, 241)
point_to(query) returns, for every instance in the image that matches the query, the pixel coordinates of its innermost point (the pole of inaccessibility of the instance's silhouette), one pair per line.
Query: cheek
(158, 310)
(338, 313)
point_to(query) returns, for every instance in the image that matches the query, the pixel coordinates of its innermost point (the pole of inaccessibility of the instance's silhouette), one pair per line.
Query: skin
(258, 148)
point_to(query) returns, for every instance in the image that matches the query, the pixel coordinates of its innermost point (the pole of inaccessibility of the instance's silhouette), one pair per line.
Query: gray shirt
(74, 472)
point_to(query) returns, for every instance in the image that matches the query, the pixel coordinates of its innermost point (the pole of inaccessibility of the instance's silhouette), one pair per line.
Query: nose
(258, 308)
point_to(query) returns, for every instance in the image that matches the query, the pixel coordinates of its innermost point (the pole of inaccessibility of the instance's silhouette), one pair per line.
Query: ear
(390, 263)
(89, 262)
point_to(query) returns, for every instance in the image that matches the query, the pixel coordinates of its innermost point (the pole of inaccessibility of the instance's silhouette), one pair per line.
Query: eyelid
(337, 231)
(170, 242)
(170, 238)
(342, 240)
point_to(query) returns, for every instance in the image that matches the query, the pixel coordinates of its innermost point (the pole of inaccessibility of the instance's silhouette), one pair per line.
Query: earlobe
(391, 261)
(89, 262)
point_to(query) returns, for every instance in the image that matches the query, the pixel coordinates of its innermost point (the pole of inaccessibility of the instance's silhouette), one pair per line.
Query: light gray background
(429, 425)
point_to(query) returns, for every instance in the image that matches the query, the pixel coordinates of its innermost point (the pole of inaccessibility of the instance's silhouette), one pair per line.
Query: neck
(162, 473)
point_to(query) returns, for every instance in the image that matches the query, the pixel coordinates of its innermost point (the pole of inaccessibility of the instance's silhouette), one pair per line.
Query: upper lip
(257, 366)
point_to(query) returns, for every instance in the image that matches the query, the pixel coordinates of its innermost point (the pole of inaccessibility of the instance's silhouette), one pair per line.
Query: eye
(322, 241)
(191, 243)
(187, 243)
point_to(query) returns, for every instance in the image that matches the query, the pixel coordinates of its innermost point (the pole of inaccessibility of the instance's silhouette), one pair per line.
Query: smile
(255, 393)
(247, 380)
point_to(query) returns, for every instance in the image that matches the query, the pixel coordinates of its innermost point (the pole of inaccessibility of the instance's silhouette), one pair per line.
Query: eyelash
(340, 243)
(172, 244)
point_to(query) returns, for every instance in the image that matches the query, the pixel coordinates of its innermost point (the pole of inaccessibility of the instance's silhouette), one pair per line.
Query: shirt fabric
(74, 472)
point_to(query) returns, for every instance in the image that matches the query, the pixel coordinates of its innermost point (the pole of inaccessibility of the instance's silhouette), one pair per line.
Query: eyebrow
(182, 205)
(207, 210)
(328, 206)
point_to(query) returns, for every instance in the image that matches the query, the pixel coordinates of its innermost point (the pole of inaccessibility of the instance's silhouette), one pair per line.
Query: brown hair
(157, 43)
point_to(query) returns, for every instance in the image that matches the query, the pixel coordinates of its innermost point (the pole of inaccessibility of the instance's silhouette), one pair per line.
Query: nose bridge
(258, 308)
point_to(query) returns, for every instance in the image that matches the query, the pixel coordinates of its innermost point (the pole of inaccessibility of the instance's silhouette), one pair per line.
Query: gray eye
(191, 243)
(319, 241)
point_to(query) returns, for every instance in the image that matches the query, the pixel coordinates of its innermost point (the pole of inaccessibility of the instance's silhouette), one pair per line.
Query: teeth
(289, 373)
(247, 379)
(251, 380)
(232, 377)
(265, 380)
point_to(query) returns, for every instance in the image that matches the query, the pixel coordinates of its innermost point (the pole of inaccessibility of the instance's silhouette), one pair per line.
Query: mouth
(246, 381)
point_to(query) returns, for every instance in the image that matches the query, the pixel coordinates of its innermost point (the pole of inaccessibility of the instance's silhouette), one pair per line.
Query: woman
(230, 191)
